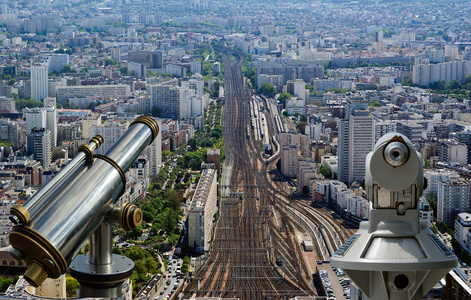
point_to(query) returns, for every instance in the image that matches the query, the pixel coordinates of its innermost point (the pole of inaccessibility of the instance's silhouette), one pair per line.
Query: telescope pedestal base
(101, 280)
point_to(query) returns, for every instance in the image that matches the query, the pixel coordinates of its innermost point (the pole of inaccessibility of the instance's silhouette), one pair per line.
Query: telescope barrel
(52, 237)
(21, 214)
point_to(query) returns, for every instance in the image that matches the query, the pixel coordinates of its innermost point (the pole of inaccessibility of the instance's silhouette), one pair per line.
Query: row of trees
(250, 72)
(453, 88)
(146, 265)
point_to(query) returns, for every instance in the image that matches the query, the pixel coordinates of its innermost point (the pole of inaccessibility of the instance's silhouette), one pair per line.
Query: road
(171, 281)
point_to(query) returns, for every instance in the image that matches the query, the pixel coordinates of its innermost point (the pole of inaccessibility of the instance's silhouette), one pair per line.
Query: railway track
(240, 261)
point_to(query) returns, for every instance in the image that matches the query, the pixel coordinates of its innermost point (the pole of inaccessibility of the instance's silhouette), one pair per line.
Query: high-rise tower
(39, 83)
(356, 140)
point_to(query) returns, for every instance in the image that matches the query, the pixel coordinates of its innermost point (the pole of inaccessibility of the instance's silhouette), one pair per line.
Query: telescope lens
(396, 154)
(401, 281)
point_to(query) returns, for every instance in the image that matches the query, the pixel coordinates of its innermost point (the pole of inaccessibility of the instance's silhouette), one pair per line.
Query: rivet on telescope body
(49, 262)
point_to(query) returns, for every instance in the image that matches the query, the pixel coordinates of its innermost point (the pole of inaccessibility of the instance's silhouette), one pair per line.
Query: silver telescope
(53, 225)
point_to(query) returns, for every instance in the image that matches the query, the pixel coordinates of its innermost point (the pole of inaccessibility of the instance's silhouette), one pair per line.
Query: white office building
(289, 160)
(51, 123)
(196, 67)
(196, 84)
(39, 82)
(154, 153)
(116, 54)
(139, 70)
(108, 91)
(195, 107)
(293, 147)
(356, 140)
(57, 62)
(39, 145)
(35, 117)
(44, 117)
(297, 88)
(382, 128)
(170, 99)
(87, 122)
(452, 199)
(176, 70)
(110, 131)
(424, 73)
(435, 176)
(202, 209)
(462, 225)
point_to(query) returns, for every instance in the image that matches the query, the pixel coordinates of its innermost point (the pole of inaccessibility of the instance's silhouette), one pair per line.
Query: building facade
(110, 91)
(39, 83)
(39, 145)
(110, 131)
(201, 211)
(356, 140)
(453, 198)
(170, 99)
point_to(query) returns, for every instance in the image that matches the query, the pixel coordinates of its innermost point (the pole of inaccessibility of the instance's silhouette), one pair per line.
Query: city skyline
(267, 111)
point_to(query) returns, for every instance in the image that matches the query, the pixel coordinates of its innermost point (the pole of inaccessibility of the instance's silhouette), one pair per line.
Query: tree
(67, 69)
(283, 97)
(156, 112)
(175, 198)
(454, 84)
(432, 200)
(123, 70)
(148, 212)
(468, 79)
(23, 103)
(5, 283)
(71, 286)
(136, 232)
(407, 82)
(325, 171)
(136, 253)
(216, 133)
(109, 62)
(166, 154)
(117, 250)
(172, 145)
(192, 144)
(438, 85)
(301, 126)
(7, 143)
(375, 104)
(268, 89)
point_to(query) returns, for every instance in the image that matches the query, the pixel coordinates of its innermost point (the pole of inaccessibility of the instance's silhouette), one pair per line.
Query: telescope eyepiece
(396, 154)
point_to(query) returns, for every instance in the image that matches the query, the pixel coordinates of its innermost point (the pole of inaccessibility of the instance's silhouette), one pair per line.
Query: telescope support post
(101, 273)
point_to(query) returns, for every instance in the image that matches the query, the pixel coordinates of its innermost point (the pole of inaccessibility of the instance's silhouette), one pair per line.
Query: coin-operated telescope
(78, 204)
(394, 255)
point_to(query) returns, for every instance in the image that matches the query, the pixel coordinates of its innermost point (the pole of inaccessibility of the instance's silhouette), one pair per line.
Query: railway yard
(256, 250)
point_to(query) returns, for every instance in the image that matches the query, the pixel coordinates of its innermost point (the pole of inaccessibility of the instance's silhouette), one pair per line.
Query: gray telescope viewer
(394, 255)
(80, 204)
